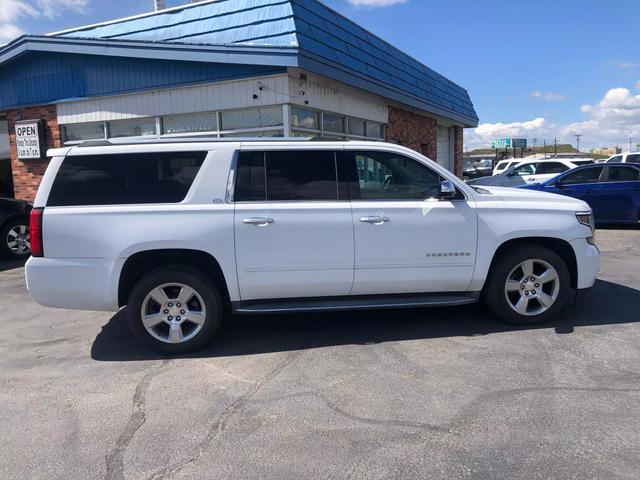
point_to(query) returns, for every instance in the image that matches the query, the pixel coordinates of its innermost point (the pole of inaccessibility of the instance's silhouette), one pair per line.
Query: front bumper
(588, 262)
(80, 284)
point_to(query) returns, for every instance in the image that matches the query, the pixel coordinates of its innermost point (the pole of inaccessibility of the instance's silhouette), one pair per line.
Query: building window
(135, 127)
(196, 122)
(251, 118)
(375, 130)
(357, 127)
(83, 131)
(333, 123)
(307, 119)
(255, 133)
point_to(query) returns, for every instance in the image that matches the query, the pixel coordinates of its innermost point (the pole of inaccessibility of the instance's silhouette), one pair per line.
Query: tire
(14, 238)
(172, 328)
(543, 298)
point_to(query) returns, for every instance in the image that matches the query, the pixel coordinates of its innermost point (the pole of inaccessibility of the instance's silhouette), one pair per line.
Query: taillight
(35, 232)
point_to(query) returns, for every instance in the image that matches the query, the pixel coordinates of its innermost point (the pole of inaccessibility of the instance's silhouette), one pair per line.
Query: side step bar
(365, 302)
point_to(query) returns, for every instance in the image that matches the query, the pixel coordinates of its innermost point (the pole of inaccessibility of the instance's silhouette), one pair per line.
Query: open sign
(30, 139)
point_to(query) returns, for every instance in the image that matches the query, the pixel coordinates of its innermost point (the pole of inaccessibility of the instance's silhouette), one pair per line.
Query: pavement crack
(221, 423)
(115, 458)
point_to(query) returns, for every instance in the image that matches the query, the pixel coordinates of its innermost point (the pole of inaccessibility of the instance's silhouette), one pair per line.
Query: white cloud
(625, 65)
(375, 3)
(8, 32)
(55, 8)
(613, 120)
(547, 96)
(11, 10)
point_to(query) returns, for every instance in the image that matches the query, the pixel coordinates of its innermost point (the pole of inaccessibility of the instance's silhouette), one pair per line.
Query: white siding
(200, 98)
(331, 96)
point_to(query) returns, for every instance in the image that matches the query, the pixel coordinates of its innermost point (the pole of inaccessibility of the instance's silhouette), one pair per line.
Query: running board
(354, 303)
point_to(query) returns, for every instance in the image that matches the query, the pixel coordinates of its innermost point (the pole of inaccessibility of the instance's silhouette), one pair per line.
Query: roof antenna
(160, 5)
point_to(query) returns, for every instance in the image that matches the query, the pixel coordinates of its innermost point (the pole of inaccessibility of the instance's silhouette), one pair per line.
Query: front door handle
(259, 221)
(375, 220)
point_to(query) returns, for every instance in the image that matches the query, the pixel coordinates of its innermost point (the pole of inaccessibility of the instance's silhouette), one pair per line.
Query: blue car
(611, 189)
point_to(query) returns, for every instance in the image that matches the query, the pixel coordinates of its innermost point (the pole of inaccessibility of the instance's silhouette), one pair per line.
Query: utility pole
(577, 143)
(630, 139)
(545, 147)
(555, 148)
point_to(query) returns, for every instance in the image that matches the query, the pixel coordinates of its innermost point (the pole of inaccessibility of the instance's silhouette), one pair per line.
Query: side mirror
(447, 189)
(560, 184)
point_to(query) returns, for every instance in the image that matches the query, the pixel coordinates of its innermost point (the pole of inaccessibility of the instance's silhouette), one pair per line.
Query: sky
(540, 69)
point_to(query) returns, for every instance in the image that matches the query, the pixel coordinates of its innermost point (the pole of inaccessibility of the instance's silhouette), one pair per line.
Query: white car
(531, 171)
(178, 231)
(503, 165)
(628, 157)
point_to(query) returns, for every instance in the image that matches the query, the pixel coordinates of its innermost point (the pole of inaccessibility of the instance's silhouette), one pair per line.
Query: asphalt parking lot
(429, 393)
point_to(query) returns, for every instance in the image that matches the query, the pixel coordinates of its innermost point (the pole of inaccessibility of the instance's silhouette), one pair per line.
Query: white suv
(528, 172)
(177, 231)
(627, 157)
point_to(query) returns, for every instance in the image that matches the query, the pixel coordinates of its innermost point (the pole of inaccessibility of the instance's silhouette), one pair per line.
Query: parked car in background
(482, 168)
(503, 165)
(628, 157)
(180, 231)
(612, 190)
(14, 229)
(529, 172)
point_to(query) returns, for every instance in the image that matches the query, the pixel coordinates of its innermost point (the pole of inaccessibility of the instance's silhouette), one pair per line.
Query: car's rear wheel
(175, 309)
(14, 239)
(528, 285)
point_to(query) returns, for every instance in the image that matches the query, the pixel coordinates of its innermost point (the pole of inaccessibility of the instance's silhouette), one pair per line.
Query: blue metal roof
(319, 39)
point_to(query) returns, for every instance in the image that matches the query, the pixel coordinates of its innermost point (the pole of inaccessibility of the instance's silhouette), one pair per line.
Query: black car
(14, 228)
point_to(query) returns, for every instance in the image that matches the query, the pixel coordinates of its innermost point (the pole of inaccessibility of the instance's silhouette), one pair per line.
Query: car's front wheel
(174, 309)
(528, 285)
(14, 239)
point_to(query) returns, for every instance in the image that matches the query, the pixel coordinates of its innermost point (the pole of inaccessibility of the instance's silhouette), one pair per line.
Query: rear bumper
(588, 260)
(80, 284)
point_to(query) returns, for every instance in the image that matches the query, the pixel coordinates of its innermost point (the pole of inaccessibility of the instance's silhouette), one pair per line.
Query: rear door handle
(375, 220)
(259, 221)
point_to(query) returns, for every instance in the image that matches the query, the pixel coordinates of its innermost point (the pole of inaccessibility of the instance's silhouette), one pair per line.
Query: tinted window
(388, 176)
(163, 177)
(250, 177)
(617, 158)
(526, 169)
(635, 158)
(623, 174)
(587, 175)
(546, 168)
(301, 175)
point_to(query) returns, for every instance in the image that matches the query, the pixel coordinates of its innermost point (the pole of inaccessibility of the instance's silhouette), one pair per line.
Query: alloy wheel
(532, 287)
(18, 240)
(173, 313)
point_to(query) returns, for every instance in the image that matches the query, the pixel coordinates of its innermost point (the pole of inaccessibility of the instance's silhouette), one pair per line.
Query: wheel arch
(558, 245)
(143, 262)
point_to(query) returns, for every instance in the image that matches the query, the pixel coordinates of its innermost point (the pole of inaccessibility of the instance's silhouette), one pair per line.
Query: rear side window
(623, 174)
(302, 175)
(132, 178)
(634, 158)
(546, 168)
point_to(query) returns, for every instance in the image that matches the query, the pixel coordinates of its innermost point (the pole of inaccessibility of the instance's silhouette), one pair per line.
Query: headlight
(586, 218)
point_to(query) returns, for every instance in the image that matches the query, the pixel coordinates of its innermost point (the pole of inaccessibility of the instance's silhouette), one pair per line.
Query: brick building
(220, 68)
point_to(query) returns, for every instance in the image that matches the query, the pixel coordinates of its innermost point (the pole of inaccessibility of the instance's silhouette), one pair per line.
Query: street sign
(509, 143)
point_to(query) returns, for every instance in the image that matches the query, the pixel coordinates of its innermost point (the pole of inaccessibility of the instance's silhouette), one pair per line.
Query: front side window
(526, 169)
(617, 158)
(130, 178)
(388, 176)
(549, 168)
(586, 175)
(634, 158)
(623, 174)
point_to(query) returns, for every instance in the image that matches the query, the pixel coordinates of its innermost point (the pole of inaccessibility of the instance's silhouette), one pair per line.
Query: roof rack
(195, 139)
